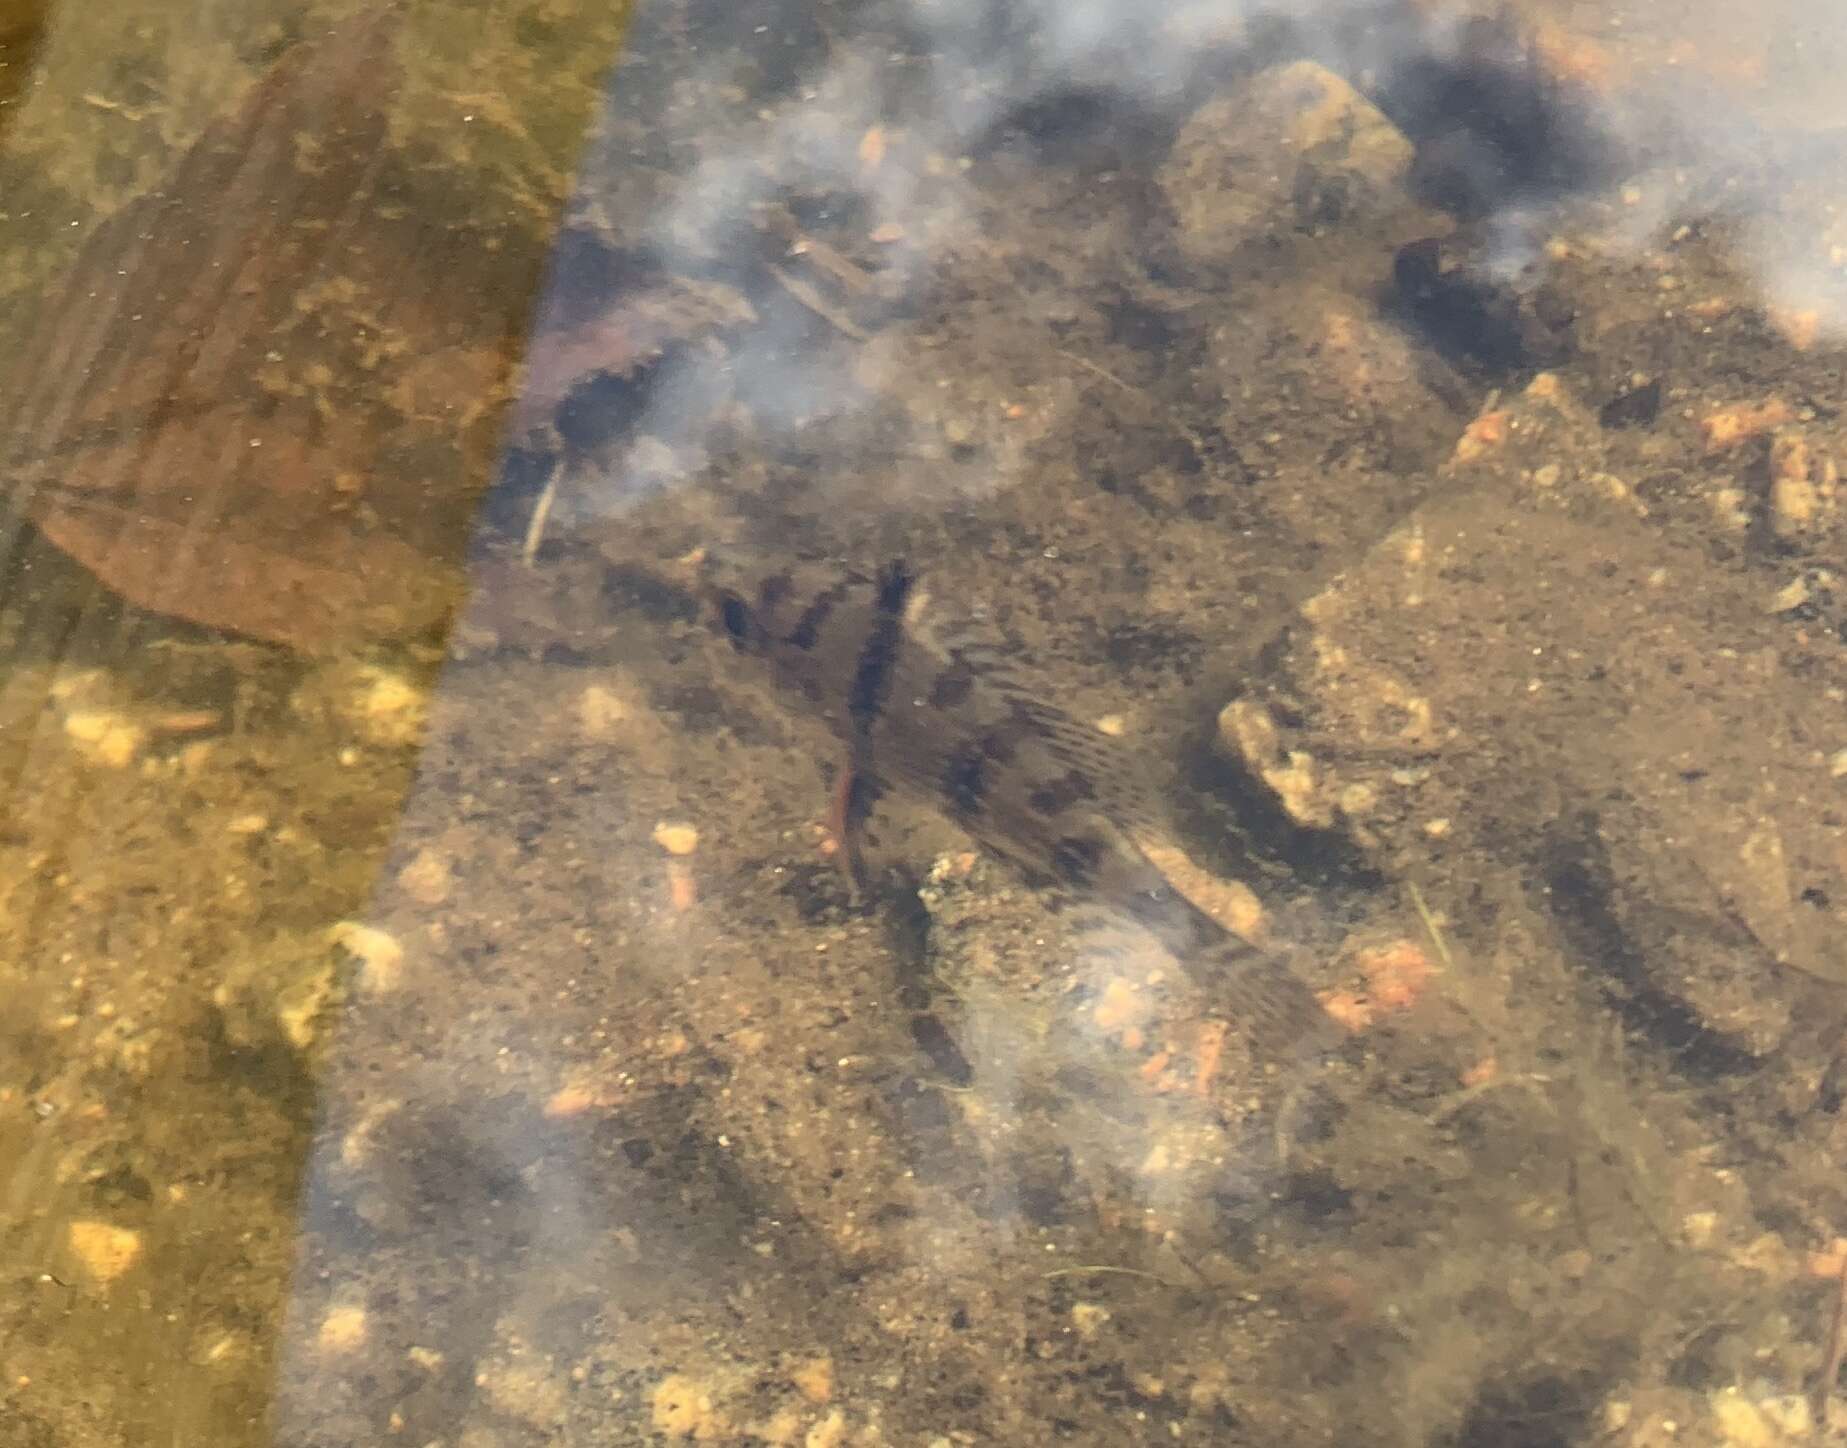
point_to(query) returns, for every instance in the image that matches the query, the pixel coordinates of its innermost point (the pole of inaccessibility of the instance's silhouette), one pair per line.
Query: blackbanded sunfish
(926, 705)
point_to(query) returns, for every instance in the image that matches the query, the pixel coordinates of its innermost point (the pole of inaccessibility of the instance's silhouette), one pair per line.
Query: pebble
(1789, 1412)
(601, 712)
(224, 1350)
(1837, 766)
(105, 1250)
(1249, 732)
(1804, 487)
(343, 1330)
(388, 708)
(380, 956)
(676, 838)
(303, 1008)
(682, 1407)
(568, 1101)
(1726, 427)
(109, 738)
(814, 1379)
(1730, 508)
(428, 878)
(830, 1432)
(525, 1391)
(1740, 1421)
(1792, 595)
(1296, 147)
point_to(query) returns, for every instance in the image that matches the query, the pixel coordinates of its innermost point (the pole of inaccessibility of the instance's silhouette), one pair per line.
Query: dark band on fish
(807, 631)
(872, 675)
(965, 782)
(774, 589)
(1002, 743)
(1076, 858)
(952, 686)
(1054, 798)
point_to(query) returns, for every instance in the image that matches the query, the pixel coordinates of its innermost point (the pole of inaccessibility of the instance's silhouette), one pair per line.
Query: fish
(930, 704)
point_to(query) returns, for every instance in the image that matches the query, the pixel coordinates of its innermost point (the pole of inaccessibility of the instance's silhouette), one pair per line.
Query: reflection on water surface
(1302, 548)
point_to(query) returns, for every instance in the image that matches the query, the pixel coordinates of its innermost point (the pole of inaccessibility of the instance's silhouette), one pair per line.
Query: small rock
(1088, 1318)
(109, 738)
(1837, 766)
(303, 1007)
(387, 708)
(682, 1407)
(1740, 1422)
(1298, 147)
(524, 1391)
(830, 1432)
(676, 838)
(223, 1350)
(428, 878)
(1248, 731)
(380, 956)
(106, 1251)
(814, 1379)
(601, 712)
(1802, 486)
(571, 1100)
(343, 1330)
(1789, 1412)
(1791, 595)
(1726, 427)
(1121, 1007)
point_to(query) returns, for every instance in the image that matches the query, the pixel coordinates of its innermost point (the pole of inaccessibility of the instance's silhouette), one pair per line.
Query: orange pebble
(1396, 975)
(1728, 426)
(1348, 1008)
(1487, 431)
(1482, 1072)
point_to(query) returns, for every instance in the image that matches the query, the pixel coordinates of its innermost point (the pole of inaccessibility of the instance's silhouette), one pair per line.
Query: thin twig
(1430, 925)
(1154, 404)
(779, 222)
(850, 274)
(1118, 1271)
(1836, 1354)
(818, 304)
(541, 510)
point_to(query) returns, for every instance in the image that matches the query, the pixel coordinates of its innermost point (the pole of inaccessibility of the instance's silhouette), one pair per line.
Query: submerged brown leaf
(264, 398)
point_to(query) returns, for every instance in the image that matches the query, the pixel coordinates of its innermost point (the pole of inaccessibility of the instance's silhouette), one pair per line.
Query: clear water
(436, 1011)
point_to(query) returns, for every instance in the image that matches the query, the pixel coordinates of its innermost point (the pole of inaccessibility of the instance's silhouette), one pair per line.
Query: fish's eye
(736, 617)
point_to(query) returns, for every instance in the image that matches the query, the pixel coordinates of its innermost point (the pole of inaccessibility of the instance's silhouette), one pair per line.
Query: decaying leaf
(266, 396)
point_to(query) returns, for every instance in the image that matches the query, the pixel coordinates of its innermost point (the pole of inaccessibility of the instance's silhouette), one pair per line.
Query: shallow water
(437, 1011)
